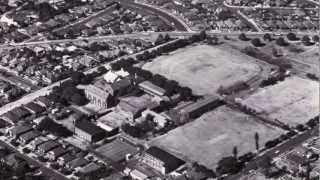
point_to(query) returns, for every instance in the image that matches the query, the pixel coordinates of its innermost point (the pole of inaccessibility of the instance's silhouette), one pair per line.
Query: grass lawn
(214, 135)
(292, 101)
(205, 68)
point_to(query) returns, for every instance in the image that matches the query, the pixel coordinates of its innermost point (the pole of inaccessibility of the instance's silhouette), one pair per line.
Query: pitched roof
(88, 127)
(20, 129)
(30, 135)
(36, 108)
(170, 161)
(48, 145)
(78, 162)
(152, 88)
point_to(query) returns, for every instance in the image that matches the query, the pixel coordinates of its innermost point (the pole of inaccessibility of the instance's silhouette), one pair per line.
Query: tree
(78, 99)
(185, 92)
(256, 139)
(300, 127)
(167, 38)
(267, 37)
(306, 40)
(282, 42)
(316, 38)
(235, 152)
(292, 36)
(256, 42)
(243, 37)
(102, 69)
(228, 165)
(160, 39)
(159, 80)
(77, 77)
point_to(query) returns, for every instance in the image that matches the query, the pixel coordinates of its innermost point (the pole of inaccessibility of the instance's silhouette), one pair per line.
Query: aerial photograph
(159, 89)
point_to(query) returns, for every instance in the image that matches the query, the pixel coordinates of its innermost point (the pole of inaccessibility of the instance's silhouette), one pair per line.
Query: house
(34, 108)
(152, 89)
(64, 159)
(44, 101)
(89, 131)
(28, 137)
(38, 141)
(78, 162)
(16, 115)
(87, 61)
(56, 153)
(10, 117)
(18, 164)
(161, 160)
(47, 146)
(19, 130)
(91, 171)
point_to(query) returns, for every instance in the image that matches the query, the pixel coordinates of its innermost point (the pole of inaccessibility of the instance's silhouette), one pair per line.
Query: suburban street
(276, 151)
(44, 169)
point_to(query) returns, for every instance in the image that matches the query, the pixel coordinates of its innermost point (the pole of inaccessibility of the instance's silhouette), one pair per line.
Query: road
(169, 18)
(46, 90)
(141, 35)
(252, 8)
(44, 169)
(11, 77)
(276, 151)
(81, 21)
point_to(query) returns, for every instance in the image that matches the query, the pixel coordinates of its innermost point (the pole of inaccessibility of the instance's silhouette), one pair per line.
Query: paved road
(173, 34)
(44, 169)
(169, 18)
(81, 21)
(13, 78)
(266, 7)
(282, 148)
(46, 90)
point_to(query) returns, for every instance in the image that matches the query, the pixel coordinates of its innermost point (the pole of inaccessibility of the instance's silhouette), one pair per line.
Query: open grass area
(205, 68)
(214, 135)
(292, 101)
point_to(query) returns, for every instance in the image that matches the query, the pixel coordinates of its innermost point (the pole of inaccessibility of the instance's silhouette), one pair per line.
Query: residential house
(28, 137)
(18, 130)
(89, 131)
(34, 108)
(56, 153)
(38, 141)
(161, 160)
(91, 171)
(44, 101)
(64, 159)
(17, 163)
(78, 162)
(47, 146)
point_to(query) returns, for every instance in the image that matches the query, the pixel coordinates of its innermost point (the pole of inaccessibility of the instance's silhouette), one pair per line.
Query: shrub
(292, 36)
(243, 37)
(282, 42)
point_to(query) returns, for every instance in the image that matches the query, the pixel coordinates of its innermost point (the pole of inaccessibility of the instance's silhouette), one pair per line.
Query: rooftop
(88, 127)
(152, 88)
(169, 160)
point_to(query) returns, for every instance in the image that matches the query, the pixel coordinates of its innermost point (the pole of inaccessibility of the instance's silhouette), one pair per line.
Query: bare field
(205, 68)
(214, 135)
(292, 101)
